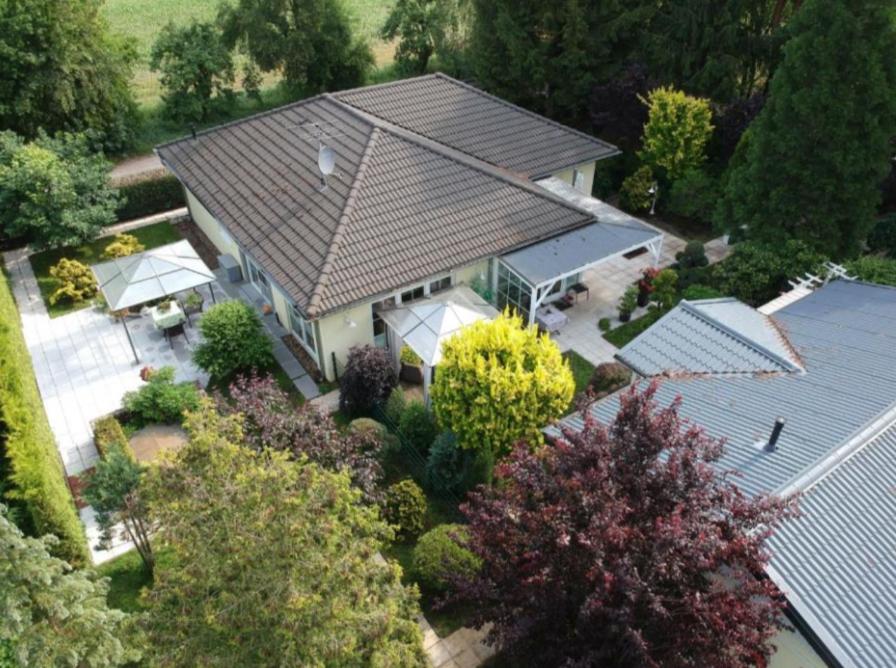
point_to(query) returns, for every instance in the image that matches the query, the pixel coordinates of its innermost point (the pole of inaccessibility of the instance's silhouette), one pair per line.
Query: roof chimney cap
(772, 444)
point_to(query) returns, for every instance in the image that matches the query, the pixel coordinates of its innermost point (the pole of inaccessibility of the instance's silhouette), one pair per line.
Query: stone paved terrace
(606, 283)
(84, 365)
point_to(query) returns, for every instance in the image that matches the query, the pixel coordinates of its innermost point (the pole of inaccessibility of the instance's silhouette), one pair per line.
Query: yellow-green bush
(122, 246)
(107, 433)
(76, 281)
(500, 383)
(677, 130)
(37, 477)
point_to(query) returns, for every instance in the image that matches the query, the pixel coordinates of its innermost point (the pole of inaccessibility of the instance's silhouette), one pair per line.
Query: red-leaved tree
(271, 420)
(624, 546)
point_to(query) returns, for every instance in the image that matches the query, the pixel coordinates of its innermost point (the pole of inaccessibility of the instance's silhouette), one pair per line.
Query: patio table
(550, 318)
(172, 317)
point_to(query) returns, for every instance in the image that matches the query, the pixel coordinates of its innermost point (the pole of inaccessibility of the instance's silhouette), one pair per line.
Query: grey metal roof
(153, 274)
(465, 118)
(399, 208)
(837, 561)
(712, 336)
(614, 233)
(845, 337)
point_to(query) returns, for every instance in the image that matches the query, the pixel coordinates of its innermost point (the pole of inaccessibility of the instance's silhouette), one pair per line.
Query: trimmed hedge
(107, 432)
(37, 476)
(147, 196)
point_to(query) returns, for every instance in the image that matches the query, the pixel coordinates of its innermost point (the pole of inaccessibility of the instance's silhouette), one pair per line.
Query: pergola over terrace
(535, 275)
(151, 275)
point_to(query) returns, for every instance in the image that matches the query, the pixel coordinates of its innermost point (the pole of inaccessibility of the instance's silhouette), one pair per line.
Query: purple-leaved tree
(624, 546)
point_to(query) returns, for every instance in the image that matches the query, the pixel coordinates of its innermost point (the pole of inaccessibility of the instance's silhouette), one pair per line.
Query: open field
(143, 19)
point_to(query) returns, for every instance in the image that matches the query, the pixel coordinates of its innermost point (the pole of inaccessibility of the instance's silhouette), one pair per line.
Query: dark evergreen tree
(548, 56)
(811, 165)
(721, 49)
(63, 71)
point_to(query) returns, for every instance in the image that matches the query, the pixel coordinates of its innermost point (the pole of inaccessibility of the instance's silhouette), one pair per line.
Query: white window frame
(578, 176)
(303, 329)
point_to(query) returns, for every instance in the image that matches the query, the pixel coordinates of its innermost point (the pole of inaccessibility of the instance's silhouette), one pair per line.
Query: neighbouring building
(345, 204)
(804, 392)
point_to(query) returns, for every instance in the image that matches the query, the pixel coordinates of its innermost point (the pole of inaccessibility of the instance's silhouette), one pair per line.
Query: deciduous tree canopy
(622, 546)
(310, 42)
(63, 71)
(53, 192)
(276, 562)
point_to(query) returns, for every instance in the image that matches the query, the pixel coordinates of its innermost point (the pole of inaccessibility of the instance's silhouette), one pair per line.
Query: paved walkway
(148, 442)
(462, 649)
(136, 166)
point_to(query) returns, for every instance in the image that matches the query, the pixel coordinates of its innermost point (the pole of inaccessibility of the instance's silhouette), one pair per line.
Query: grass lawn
(625, 333)
(142, 21)
(296, 397)
(581, 373)
(150, 236)
(128, 578)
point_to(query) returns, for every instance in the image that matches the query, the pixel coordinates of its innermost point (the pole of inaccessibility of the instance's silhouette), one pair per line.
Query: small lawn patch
(283, 381)
(128, 578)
(151, 236)
(625, 333)
(581, 373)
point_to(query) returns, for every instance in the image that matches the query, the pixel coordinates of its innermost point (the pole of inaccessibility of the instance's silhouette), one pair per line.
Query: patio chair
(175, 330)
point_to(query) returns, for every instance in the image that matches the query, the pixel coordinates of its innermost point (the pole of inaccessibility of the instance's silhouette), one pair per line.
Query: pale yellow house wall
(586, 168)
(793, 651)
(212, 228)
(336, 335)
(466, 275)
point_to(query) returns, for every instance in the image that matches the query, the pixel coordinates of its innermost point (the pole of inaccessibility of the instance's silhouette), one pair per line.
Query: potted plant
(411, 366)
(164, 305)
(627, 304)
(193, 302)
(267, 309)
(645, 285)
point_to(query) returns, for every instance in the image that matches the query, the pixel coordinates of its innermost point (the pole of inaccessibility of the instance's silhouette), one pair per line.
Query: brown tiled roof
(400, 207)
(467, 119)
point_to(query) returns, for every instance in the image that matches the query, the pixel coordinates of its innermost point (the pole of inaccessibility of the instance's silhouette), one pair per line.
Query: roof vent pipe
(772, 444)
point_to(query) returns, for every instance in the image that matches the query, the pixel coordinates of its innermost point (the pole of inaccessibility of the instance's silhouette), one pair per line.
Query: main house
(803, 390)
(345, 204)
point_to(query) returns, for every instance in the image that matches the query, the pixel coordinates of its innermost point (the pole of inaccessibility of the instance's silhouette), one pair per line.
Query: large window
(259, 279)
(303, 330)
(513, 292)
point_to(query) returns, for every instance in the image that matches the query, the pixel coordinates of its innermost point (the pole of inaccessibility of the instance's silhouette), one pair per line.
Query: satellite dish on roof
(326, 163)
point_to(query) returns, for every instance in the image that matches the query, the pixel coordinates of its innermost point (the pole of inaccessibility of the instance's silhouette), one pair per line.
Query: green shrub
(35, 471)
(450, 469)
(147, 196)
(882, 238)
(76, 281)
(418, 426)
(698, 291)
(693, 255)
(405, 507)
(394, 407)
(695, 196)
(665, 289)
(233, 340)
(107, 432)
(441, 555)
(629, 301)
(874, 269)
(122, 246)
(161, 400)
(604, 324)
(609, 377)
(757, 273)
(370, 426)
(635, 192)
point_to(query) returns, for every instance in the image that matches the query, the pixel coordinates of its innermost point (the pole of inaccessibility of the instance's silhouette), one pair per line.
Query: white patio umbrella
(153, 274)
(425, 325)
